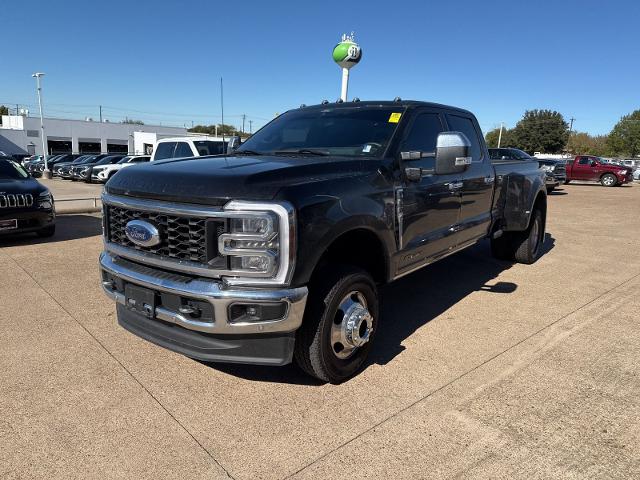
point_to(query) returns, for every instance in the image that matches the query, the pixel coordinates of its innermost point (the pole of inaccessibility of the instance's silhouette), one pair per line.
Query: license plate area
(9, 224)
(140, 300)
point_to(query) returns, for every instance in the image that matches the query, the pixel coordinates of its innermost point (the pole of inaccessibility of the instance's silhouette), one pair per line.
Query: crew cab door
(428, 206)
(477, 182)
(582, 169)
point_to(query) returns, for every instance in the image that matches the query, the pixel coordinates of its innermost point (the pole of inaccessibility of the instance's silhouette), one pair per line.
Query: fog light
(245, 312)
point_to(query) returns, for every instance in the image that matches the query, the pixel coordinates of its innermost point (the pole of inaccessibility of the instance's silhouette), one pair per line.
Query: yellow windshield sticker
(394, 117)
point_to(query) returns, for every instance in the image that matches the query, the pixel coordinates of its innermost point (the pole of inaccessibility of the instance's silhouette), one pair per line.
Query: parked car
(591, 168)
(555, 170)
(68, 172)
(83, 172)
(25, 204)
(38, 168)
(102, 173)
(277, 253)
(61, 167)
(182, 147)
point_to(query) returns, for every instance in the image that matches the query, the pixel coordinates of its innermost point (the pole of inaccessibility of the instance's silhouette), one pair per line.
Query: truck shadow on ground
(68, 227)
(410, 303)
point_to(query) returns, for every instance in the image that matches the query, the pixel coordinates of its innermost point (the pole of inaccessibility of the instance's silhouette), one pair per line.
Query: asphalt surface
(482, 369)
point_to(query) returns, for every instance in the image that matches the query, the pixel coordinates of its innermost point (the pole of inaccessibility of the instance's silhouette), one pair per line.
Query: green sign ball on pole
(346, 54)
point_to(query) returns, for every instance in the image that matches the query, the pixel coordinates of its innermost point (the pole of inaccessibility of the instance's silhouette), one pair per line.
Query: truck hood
(215, 180)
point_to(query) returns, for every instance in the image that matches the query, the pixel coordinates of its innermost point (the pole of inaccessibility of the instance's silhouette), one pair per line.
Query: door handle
(489, 179)
(455, 185)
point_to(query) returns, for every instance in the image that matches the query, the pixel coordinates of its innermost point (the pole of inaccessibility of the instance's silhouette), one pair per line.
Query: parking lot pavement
(65, 190)
(481, 369)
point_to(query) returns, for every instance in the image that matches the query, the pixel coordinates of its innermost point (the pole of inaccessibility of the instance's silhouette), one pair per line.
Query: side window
(140, 160)
(183, 150)
(465, 125)
(583, 161)
(424, 133)
(164, 150)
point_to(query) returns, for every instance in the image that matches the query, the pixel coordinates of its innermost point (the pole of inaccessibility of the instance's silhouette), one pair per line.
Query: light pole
(46, 173)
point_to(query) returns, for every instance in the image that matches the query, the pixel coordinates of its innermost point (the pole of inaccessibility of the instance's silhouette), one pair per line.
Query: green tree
(581, 143)
(211, 129)
(3, 111)
(541, 131)
(492, 137)
(131, 121)
(624, 139)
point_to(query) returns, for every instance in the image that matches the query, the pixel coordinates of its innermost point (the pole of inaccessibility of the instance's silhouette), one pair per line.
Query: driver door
(430, 206)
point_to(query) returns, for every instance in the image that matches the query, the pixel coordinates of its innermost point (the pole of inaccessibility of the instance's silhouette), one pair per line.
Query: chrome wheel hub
(352, 325)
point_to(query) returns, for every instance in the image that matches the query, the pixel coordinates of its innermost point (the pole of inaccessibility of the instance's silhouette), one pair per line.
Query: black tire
(314, 352)
(566, 182)
(609, 180)
(47, 232)
(528, 244)
(550, 189)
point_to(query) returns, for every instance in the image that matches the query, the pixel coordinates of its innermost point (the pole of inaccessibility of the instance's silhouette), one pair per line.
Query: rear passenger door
(477, 182)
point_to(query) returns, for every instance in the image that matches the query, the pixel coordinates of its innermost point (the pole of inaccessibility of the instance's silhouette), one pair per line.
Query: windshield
(109, 159)
(125, 160)
(520, 155)
(352, 131)
(11, 171)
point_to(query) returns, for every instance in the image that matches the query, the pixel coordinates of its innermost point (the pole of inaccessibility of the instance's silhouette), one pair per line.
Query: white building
(21, 135)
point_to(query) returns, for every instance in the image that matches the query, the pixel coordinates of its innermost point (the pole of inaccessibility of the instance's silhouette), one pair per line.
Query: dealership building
(21, 135)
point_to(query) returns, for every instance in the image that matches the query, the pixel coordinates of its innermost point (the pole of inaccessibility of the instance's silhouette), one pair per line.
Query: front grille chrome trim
(16, 200)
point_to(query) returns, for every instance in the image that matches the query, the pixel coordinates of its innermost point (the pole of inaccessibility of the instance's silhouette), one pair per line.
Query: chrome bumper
(208, 290)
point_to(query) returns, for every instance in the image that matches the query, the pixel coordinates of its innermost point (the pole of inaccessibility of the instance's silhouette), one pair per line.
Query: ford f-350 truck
(275, 252)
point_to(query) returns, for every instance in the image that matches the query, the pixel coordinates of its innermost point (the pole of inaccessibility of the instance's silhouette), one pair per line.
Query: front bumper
(214, 338)
(28, 220)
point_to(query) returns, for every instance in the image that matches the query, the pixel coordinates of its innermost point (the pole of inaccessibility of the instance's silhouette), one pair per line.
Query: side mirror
(452, 153)
(593, 163)
(233, 143)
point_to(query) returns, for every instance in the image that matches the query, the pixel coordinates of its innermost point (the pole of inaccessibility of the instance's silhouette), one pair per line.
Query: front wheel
(339, 324)
(566, 182)
(609, 180)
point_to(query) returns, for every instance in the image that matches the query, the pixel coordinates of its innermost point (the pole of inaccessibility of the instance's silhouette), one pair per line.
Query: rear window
(183, 150)
(210, 147)
(164, 150)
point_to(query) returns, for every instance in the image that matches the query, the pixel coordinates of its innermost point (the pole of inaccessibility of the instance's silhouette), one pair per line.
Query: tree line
(547, 131)
(220, 128)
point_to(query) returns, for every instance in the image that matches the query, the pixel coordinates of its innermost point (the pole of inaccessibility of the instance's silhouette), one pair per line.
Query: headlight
(258, 243)
(547, 168)
(44, 199)
(622, 172)
(84, 170)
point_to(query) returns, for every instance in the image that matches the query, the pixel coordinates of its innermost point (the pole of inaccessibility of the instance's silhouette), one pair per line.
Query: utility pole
(46, 173)
(500, 135)
(570, 130)
(250, 127)
(100, 113)
(222, 108)
(243, 117)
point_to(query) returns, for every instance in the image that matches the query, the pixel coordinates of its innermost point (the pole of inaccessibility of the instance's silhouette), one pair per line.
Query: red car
(588, 167)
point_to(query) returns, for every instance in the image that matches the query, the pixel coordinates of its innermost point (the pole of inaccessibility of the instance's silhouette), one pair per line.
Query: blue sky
(161, 61)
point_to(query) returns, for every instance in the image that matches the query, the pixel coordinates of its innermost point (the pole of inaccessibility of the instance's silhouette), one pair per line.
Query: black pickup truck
(274, 252)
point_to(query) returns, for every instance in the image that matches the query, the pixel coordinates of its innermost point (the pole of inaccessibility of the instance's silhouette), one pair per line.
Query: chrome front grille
(182, 237)
(16, 200)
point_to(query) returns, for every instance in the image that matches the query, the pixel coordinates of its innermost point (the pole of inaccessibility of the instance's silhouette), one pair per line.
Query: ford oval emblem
(142, 233)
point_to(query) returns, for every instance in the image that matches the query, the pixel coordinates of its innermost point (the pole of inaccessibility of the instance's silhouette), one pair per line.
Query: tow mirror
(233, 143)
(452, 153)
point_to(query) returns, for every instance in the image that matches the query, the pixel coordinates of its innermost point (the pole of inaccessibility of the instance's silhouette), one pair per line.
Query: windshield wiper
(246, 152)
(308, 151)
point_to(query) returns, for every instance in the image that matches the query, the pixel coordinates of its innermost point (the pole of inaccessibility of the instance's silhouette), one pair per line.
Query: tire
(550, 189)
(317, 349)
(528, 244)
(608, 180)
(47, 232)
(566, 182)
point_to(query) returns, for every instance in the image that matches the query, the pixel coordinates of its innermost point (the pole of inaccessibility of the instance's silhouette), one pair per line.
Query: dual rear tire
(522, 247)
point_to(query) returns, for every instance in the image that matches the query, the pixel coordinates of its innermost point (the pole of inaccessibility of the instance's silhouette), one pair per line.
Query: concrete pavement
(481, 369)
